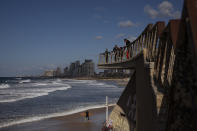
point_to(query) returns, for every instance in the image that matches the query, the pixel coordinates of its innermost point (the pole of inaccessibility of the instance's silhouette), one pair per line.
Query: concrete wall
(146, 98)
(120, 123)
(136, 109)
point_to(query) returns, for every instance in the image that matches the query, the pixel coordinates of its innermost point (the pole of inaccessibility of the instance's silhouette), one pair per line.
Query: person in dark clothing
(121, 53)
(87, 115)
(115, 50)
(106, 55)
(128, 45)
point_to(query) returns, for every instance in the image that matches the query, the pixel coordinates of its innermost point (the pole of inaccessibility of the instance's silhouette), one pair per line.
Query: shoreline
(53, 116)
(66, 122)
(119, 81)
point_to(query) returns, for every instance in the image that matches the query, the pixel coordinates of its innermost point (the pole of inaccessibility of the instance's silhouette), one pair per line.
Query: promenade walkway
(162, 92)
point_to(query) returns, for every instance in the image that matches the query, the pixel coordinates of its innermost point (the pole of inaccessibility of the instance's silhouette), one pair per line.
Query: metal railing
(147, 39)
(160, 43)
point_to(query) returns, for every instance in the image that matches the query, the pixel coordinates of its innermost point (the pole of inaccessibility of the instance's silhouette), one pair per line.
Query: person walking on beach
(87, 115)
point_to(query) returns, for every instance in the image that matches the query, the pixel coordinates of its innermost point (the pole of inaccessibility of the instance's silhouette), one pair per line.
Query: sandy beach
(120, 81)
(74, 122)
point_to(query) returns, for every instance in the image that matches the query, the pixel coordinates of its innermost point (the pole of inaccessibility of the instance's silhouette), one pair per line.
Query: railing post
(147, 38)
(135, 46)
(154, 44)
(141, 43)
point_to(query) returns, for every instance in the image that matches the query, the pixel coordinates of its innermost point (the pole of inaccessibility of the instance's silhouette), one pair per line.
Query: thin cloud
(131, 38)
(121, 35)
(164, 9)
(126, 24)
(99, 37)
(176, 14)
(150, 11)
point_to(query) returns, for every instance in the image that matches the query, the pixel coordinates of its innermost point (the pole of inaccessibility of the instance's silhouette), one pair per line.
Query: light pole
(106, 109)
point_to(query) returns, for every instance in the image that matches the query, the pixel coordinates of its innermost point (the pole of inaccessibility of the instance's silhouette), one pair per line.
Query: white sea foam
(40, 84)
(52, 115)
(24, 81)
(3, 86)
(80, 81)
(56, 83)
(58, 80)
(90, 83)
(100, 84)
(32, 93)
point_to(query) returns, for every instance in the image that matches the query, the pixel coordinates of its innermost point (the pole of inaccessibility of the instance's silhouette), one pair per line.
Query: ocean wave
(58, 80)
(40, 84)
(100, 84)
(3, 86)
(56, 83)
(80, 81)
(33, 93)
(91, 83)
(52, 115)
(25, 81)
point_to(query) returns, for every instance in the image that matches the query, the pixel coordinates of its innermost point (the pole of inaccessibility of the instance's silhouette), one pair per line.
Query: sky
(37, 35)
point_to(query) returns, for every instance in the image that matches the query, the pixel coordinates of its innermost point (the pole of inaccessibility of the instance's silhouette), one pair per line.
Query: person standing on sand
(87, 115)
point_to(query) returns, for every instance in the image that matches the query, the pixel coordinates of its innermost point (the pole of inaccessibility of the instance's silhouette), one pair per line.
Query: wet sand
(120, 81)
(74, 122)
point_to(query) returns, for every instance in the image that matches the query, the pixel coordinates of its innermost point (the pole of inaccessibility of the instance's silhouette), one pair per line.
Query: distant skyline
(36, 35)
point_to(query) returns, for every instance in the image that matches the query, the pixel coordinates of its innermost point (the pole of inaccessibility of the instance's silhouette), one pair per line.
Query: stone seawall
(139, 105)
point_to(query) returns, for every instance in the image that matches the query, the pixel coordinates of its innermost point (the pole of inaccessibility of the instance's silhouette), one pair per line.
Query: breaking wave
(3, 86)
(31, 93)
(25, 81)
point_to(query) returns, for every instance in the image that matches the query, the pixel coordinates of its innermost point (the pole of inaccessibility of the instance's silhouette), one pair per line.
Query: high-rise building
(58, 72)
(74, 68)
(66, 72)
(49, 73)
(88, 68)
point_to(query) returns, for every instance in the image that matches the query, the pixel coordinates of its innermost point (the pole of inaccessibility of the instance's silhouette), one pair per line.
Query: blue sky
(36, 35)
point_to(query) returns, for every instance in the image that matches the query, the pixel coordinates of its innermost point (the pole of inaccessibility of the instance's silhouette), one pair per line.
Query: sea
(25, 100)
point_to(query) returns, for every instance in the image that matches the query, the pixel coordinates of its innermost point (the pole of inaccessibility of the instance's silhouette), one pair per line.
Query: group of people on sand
(119, 52)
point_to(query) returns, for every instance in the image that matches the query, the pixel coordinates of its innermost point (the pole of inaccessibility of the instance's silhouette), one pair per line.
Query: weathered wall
(137, 107)
(120, 123)
(146, 100)
(123, 115)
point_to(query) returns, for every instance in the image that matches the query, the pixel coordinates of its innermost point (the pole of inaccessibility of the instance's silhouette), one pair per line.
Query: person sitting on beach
(87, 115)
